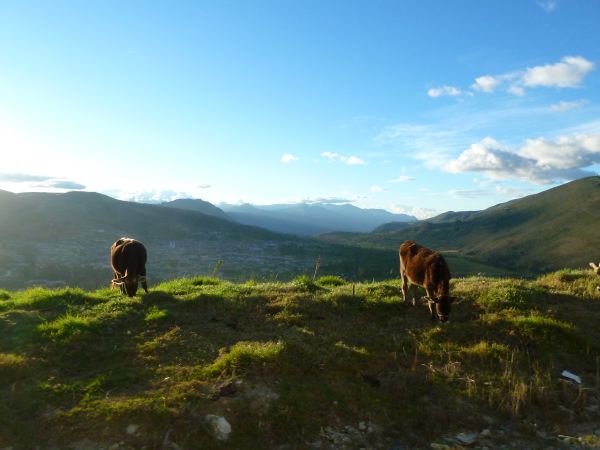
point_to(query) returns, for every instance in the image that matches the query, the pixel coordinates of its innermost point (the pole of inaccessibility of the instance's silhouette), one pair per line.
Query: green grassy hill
(553, 229)
(301, 365)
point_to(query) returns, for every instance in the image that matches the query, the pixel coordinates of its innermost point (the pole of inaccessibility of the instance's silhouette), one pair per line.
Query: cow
(128, 262)
(428, 269)
(596, 269)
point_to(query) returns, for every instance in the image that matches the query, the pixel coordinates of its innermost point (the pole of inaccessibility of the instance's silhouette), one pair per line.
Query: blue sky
(412, 106)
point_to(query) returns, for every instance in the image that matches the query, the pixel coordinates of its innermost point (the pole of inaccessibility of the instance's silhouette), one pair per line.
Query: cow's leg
(430, 296)
(405, 287)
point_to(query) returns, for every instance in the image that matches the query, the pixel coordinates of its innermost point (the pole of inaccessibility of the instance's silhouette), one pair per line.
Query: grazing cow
(597, 270)
(428, 269)
(128, 261)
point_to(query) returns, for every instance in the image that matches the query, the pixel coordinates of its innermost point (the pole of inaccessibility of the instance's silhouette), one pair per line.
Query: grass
(285, 361)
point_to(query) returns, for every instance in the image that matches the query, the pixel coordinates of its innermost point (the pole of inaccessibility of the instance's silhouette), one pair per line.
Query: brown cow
(128, 261)
(597, 270)
(428, 269)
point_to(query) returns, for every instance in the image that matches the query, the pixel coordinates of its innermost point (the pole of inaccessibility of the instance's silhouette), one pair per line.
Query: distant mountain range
(56, 239)
(551, 230)
(312, 219)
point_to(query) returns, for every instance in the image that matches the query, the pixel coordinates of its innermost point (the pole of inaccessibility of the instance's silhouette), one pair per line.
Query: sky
(415, 107)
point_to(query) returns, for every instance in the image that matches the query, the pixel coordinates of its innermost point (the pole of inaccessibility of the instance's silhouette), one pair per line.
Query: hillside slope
(299, 365)
(547, 231)
(58, 239)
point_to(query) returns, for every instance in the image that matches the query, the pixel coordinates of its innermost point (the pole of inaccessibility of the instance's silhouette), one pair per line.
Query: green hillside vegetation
(532, 235)
(325, 364)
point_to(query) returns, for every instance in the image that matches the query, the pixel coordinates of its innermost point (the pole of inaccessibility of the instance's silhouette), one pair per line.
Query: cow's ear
(594, 266)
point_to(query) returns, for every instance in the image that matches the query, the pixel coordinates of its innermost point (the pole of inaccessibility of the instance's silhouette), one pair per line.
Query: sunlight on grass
(154, 314)
(65, 327)
(244, 356)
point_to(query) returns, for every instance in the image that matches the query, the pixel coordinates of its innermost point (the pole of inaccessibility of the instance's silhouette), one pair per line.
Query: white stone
(132, 428)
(220, 426)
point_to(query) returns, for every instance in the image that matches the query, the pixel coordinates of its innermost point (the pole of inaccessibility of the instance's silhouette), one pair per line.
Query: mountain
(312, 219)
(56, 239)
(197, 205)
(551, 230)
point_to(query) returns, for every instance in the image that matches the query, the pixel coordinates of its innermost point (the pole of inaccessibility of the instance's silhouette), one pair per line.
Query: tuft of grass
(65, 327)
(244, 356)
(155, 314)
(4, 295)
(511, 294)
(205, 281)
(331, 280)
(304, 283)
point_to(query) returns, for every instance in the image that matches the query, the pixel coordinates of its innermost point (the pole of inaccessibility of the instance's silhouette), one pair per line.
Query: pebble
(132, 428)
(466, 438)
(220, 426)
(485, 433)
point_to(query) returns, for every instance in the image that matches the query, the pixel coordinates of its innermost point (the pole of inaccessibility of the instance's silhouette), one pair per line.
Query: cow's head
(128, 284)
(440, 306)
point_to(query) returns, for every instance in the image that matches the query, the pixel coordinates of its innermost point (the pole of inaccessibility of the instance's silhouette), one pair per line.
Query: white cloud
(565, 106)
(441, 91)
(416, 211)
(287, 158)
(548, 5)
(351, 160)
(486, 83)
(330, 155)
(569, 72)
(539, 161)
(354, 161)
(515, 89)
(431, 143)
(402, 179)
(376, 189)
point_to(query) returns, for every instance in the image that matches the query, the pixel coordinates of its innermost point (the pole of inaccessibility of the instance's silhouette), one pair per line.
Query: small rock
(220, 426)
(114, 446)
(466, 438)
(132, 429)
(568, 439)
(362, 426)
(592, 408)
(485, 433)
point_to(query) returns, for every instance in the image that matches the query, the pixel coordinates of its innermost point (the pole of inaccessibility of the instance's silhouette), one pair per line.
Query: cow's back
(129, 255)
(422, 265)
